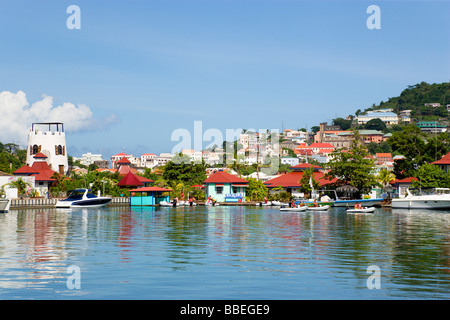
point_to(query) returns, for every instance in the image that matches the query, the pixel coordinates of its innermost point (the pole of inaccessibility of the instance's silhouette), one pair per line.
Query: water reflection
(255, 246)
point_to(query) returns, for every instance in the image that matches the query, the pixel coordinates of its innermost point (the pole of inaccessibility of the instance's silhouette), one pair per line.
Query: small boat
(319, 208)
(294, 209)
(170, 204)
(268, 203)
(82, 198)
(4, 204)
(278, 203)
(362, 210)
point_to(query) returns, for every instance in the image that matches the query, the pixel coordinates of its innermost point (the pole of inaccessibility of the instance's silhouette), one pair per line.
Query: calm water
(223, 253)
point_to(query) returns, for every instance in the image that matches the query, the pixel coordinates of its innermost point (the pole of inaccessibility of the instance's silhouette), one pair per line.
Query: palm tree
(21, 185)
(385, 177)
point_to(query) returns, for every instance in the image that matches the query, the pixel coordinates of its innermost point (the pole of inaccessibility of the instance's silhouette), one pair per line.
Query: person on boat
(190, 202)
(175, 202)
(209, 200)
(315, 203)
(265, 200)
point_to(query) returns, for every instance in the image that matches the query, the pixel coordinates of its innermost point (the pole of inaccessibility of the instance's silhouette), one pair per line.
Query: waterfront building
(130, 180)
(402, 185)
(149, 196)
(225, 187)
(49, 139)
(291, 180)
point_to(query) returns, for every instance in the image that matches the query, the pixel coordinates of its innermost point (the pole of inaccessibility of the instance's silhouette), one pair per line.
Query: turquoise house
(224, 187)
(149, 196)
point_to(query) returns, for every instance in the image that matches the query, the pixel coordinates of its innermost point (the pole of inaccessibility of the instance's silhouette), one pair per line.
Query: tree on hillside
(375, 124)
(417, 149)
(343, 123)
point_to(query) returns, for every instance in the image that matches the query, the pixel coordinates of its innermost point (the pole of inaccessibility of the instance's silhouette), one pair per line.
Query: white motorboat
(437, 198)
(294, 209)
(268, 203)
(318, 208)
(5, 204)
(361, 210)
(82, 198)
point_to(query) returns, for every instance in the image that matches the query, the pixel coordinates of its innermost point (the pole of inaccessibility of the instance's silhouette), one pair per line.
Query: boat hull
(364, 202)
(320, 208)
(90, 203)
(365, 210)
(5, 205)
(420, 204)
(300, 209)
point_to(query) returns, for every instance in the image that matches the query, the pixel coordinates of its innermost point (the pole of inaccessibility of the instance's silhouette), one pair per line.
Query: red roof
(444, 160)
(122, 154)
(292, 180)
(223, 177)
(25, 170)
(147, 189)
(124, 160)
(321, 145)
(40, 155)
(130, 180)
(406, 180)
(384, 155)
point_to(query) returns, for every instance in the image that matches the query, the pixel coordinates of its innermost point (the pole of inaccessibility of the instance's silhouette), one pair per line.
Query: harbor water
(224, 252)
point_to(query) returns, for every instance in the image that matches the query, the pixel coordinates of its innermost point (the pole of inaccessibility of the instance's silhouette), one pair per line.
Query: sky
(137, 71)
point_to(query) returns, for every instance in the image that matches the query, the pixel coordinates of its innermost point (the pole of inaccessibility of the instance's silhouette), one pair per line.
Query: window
(235, 190)
(36, 149)
(219, 189)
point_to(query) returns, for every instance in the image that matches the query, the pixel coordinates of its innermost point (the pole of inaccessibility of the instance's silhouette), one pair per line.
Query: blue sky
(147, 68)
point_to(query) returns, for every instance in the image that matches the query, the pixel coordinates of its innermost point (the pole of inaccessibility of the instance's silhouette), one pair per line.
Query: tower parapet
(48, 138)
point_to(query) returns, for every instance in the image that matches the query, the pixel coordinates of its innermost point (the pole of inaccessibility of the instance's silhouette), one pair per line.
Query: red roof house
(225, 187)
(444, 163)
(41, 172)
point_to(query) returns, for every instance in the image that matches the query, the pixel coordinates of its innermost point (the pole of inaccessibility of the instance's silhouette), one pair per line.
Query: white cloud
(17, 115)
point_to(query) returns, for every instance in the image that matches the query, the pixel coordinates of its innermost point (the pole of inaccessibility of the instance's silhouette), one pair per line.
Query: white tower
(48, 138)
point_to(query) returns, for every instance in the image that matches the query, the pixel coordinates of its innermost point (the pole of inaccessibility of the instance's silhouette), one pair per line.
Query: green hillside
(415, 97)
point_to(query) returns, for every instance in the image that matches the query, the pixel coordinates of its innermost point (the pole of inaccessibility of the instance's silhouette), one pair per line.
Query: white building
(387, 117)
(48, 138)
(88, 158)
(290, 161)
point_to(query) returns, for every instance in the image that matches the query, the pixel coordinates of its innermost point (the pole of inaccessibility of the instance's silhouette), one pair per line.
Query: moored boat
(82, 198)
(436, 198)
(361, 210)
(294, 209)
(318, 208)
